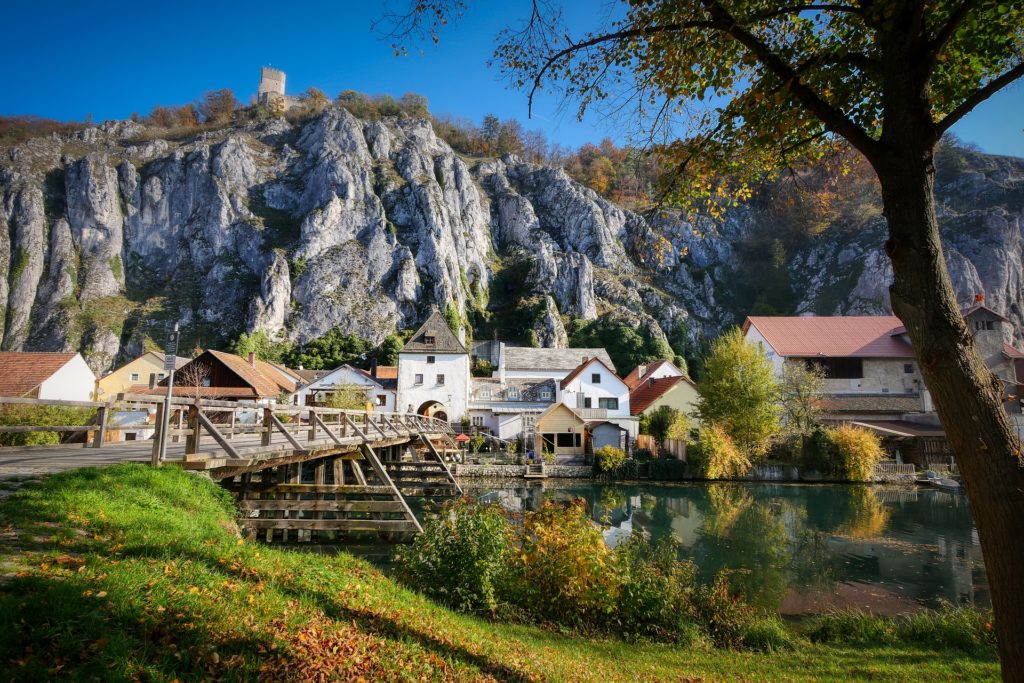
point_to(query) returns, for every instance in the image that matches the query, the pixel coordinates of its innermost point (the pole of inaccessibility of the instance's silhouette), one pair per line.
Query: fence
(672, 447)
(893, 467)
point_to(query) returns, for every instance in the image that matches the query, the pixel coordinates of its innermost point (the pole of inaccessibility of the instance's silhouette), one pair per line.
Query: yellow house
(560, 430)
(661, 384)
(149, 366)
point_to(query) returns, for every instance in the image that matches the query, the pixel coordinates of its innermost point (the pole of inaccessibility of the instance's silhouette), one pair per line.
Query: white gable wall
(344, 375)
(73, 382)
(453, 394)
(753, 336)
(610, 386)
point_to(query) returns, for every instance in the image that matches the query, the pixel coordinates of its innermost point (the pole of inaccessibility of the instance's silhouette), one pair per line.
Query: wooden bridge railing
(226, 421)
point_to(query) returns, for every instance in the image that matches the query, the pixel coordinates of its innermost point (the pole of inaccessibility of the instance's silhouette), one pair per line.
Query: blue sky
(67, 59)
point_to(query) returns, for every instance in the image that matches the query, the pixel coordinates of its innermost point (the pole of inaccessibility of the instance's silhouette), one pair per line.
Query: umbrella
(462, 437)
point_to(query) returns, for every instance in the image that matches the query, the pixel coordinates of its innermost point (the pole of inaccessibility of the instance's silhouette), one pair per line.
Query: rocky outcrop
(110, 235)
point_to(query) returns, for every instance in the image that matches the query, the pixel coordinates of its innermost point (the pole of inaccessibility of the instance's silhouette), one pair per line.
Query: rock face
(109, 236)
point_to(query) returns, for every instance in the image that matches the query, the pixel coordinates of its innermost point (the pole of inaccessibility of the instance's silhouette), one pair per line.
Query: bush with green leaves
(462, 556)
(715, 456)
(42, 416)
(819, 451)
(666, 469)
(477, 442)
(608, 458)
(960, 628)
(859, 451)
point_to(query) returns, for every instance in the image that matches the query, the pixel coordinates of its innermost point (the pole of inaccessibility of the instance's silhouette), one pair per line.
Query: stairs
(535, 472)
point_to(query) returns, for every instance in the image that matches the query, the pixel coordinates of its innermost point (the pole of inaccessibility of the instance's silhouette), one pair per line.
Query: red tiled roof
(21, 372)
(641, 397)
(189, 392)
(857, 336)
(634, 378)
(965, 312)
(1011, 352)
(582, 366)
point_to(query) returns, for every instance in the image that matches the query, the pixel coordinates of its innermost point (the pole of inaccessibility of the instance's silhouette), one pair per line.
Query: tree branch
(946, 32)
(979, 96)
(832, 118)
(797, 9)
(606, 38)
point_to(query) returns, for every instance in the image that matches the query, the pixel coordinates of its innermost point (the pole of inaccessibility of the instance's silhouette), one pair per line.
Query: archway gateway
(433, 409)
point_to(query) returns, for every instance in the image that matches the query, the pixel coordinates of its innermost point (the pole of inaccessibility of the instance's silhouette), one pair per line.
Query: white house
(56, 376)
(510, 408)
(378, 394)
(434, 372)
(595, 392)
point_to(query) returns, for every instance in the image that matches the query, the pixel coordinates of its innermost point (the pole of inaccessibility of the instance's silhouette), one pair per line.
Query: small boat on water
(936, 481)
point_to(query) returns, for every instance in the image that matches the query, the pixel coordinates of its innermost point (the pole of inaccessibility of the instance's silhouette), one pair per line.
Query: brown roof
(872, 403)
(634, 378)
(265, 379)
(966, 313)
(1011, 352)
(901, 428)
(582, 366)
(445, 340)
(22, 372)
(855, 336)
(189, 392)
(310, 376)
(641, 397)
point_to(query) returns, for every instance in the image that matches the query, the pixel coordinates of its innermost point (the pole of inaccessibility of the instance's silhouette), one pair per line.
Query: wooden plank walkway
(296, 471)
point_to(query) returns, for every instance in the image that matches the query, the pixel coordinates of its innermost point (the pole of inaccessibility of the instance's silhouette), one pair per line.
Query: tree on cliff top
(763, 85)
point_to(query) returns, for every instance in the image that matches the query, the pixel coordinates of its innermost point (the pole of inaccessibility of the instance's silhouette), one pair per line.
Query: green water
(798, 549)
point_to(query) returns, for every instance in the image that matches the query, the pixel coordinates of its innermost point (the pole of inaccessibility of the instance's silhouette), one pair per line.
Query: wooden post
(343, 418)
(156, 435)
(100, 435)
(192, 440)
(181, 425)
(268, 426)
(231, 431)
(312, 425)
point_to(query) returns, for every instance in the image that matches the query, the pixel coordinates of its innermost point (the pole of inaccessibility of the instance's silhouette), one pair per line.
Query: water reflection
(796, 548)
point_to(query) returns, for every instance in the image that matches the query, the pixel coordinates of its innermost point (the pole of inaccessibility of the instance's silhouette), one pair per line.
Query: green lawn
(130, 573)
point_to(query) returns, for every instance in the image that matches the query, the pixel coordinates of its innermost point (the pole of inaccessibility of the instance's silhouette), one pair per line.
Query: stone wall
(511, 471)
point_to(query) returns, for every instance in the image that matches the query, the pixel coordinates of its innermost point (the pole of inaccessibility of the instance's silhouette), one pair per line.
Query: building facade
(434, 372)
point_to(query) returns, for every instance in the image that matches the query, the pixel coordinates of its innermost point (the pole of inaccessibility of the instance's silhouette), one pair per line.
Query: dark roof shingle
(444, 340)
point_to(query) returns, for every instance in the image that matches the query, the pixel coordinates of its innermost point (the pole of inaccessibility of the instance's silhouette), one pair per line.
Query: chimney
(373, 367)
(152, 380)
(642, 370)
(978, 298)
(462, 334)
(252, 358)
(585, 359)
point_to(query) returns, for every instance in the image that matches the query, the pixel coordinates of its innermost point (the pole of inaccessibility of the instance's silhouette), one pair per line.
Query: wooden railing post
(192, 440)
(157, 434)
(312, 425)
(100, 434)
(268, 426)
(231, 430)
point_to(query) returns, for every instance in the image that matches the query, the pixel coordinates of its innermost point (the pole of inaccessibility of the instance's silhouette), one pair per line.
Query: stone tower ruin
(271, 90)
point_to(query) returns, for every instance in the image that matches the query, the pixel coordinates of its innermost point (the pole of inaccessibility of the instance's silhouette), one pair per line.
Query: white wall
(609, 386)
(73, 382)
(754, 337)
(453, 394)
(345, 375)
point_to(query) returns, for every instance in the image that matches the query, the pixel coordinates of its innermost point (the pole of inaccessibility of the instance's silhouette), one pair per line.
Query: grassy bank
(130, 573)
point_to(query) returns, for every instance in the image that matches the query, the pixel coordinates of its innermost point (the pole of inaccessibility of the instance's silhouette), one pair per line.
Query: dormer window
(429, 338)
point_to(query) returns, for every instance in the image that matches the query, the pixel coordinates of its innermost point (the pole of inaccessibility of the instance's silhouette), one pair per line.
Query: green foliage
(476, 442)
(859, 451)
(19, 264)
(482, 367)
(666, 469)
(739, 391)
(627, 346)
(666, 422)
(41, 416)
(720, 608)
(800, 393)
(470, 546)
(259, 343)
(389, 350)
(608, 458)
(961, 628)
(819, 451)
(348, 396)
(715, 456)
(329, 351)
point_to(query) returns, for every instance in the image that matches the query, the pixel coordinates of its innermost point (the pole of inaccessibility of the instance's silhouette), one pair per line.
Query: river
(796, 548)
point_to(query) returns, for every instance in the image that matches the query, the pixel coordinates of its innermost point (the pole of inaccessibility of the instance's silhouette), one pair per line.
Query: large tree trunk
(967, 396)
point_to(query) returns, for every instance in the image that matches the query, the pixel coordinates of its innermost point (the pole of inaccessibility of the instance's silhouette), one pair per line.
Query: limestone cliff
(295, 227)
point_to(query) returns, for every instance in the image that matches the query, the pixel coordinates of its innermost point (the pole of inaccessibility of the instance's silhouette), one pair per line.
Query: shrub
(667, 470)
(722, 612)
(654, 592)
(643, 455)
(41, 416)
(859, 451)
(819, 451)
(461, 558)
(767, 634)
(608, 458)
(476, 442)
(716, 456)
(563, 567)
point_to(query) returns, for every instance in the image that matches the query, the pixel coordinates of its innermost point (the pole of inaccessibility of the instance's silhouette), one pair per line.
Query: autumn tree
(801, 393)
(738, 390)
(218, 106)
(761, 86)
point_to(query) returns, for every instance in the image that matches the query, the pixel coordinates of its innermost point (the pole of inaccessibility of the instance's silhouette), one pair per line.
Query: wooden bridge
(303, 474)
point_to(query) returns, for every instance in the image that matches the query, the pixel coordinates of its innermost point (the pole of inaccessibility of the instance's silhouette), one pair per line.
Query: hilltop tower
(271, 90)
